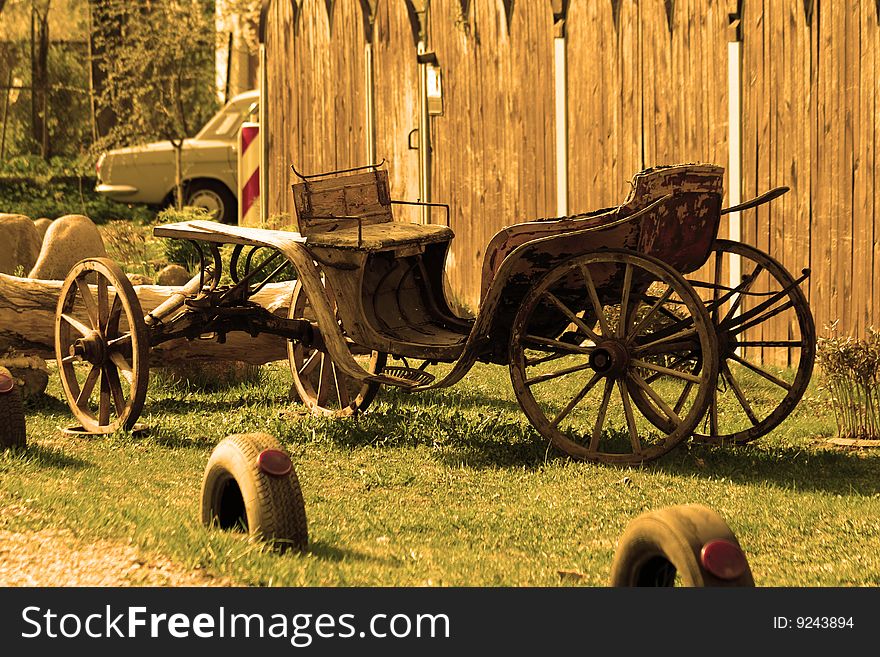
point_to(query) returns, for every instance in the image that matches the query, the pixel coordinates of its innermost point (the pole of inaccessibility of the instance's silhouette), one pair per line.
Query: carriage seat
(353, 212)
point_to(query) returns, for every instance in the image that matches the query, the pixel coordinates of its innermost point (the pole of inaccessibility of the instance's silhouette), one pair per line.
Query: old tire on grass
(250, 485)
(13, 432)
(691, 541)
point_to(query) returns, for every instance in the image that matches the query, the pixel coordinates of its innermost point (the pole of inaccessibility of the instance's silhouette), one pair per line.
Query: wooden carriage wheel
(320, 385)
(767, 301)
(102, 347)
(586, 341)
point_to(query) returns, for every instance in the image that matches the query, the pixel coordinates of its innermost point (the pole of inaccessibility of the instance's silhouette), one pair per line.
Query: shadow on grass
(838, 471)
(191, 405)
(335, 554)
(49, 457)
(46, 402)
(457, 439)
(459, 398)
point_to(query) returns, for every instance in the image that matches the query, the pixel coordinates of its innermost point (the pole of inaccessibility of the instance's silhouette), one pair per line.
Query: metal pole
(424, 140)
(561, 129)
(264, 137)
(370, 104)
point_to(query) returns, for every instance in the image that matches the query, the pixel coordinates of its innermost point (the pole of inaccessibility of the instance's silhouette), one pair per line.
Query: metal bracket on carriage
(766, 197)
(176, 300)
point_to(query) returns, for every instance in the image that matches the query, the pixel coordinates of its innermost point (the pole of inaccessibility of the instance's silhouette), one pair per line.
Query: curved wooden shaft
(292, 247)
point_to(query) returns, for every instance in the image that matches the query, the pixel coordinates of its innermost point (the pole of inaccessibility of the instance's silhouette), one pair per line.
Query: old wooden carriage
(614, 355)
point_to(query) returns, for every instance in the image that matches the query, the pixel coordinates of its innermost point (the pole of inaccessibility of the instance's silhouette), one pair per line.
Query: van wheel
(687, 545)
(214, 197)
(13, 432)
(250, 485)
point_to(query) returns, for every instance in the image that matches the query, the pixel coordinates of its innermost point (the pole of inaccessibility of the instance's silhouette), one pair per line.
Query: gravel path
(55, 557)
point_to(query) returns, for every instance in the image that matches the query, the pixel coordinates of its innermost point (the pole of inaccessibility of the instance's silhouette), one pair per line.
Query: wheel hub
(91, 348)
(727, 343)
(610, 358)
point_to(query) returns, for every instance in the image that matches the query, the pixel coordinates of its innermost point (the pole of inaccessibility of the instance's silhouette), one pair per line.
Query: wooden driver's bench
(353, 211)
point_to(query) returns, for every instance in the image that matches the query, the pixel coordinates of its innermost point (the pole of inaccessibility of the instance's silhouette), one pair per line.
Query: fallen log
(27, 324)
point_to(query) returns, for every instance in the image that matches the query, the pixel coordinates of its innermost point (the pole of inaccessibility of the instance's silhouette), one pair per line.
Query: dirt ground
(56, 557)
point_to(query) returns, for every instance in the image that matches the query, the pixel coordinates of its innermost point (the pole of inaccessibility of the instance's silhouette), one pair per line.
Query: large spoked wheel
(320, 385)
(599, 338)
(102, 347)
(766, 340)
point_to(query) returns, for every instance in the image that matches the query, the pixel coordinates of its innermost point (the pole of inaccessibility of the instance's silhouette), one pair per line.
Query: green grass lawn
(444, 488)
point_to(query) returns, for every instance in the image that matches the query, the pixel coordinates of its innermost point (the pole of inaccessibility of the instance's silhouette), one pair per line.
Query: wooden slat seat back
(328, 204)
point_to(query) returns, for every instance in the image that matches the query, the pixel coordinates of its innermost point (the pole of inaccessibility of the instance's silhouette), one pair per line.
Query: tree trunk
(27, 324)
(178, 173)
(40, 79)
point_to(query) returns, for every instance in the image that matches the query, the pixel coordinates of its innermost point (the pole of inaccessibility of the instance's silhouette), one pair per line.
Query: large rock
(42, 225)
(19, 243)
(68, 240)
(173, 275)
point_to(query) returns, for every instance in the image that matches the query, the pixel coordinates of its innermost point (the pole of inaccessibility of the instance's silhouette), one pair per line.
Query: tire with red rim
(250, 485)
(688, 545)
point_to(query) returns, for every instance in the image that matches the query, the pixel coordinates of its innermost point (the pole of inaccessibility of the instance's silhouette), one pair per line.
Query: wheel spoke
(600, 416)
(557, 344)
(103, 304)
(577, 321)
(770, 343)
(594, 299)
(114, 316)
(677, 361)
(757, 370)
(746, 286)
(661, 403)
(681, 335)
(713, 414)
(531, 362)
(731, 381)
(624, 302)
(742, 328)
(104, 403)
(653, 309)
(81, 328)
(665, 370)
(541, 378)
(576, 400)
(630, 419)
(88, 386)
(310, 364)
(341, 388)
(88, 302)
(325, 379)
(115, 388)
(718, 264)
(683, 397)
(119, 361)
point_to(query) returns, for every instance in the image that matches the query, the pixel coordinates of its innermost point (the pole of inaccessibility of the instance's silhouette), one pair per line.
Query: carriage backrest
(331, 203)
(696, 188)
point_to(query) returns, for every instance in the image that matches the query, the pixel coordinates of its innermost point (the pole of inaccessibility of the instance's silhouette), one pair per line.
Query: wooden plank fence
(646, 84)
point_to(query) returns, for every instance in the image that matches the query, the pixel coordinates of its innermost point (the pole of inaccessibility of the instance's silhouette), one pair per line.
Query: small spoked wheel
(102, 347)
(320, 385)
(688, 545)
(766, 341)
(603, 337)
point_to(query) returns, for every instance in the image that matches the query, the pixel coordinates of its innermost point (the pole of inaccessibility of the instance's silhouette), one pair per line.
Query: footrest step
(412, 375)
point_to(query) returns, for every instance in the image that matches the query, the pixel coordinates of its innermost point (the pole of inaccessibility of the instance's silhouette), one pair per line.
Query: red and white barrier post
(249, 175)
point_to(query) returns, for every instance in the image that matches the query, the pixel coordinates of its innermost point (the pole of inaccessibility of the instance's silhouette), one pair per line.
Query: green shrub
(852, 368)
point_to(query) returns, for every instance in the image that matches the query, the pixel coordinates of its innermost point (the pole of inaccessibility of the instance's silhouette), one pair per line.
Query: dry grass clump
(852, 368)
